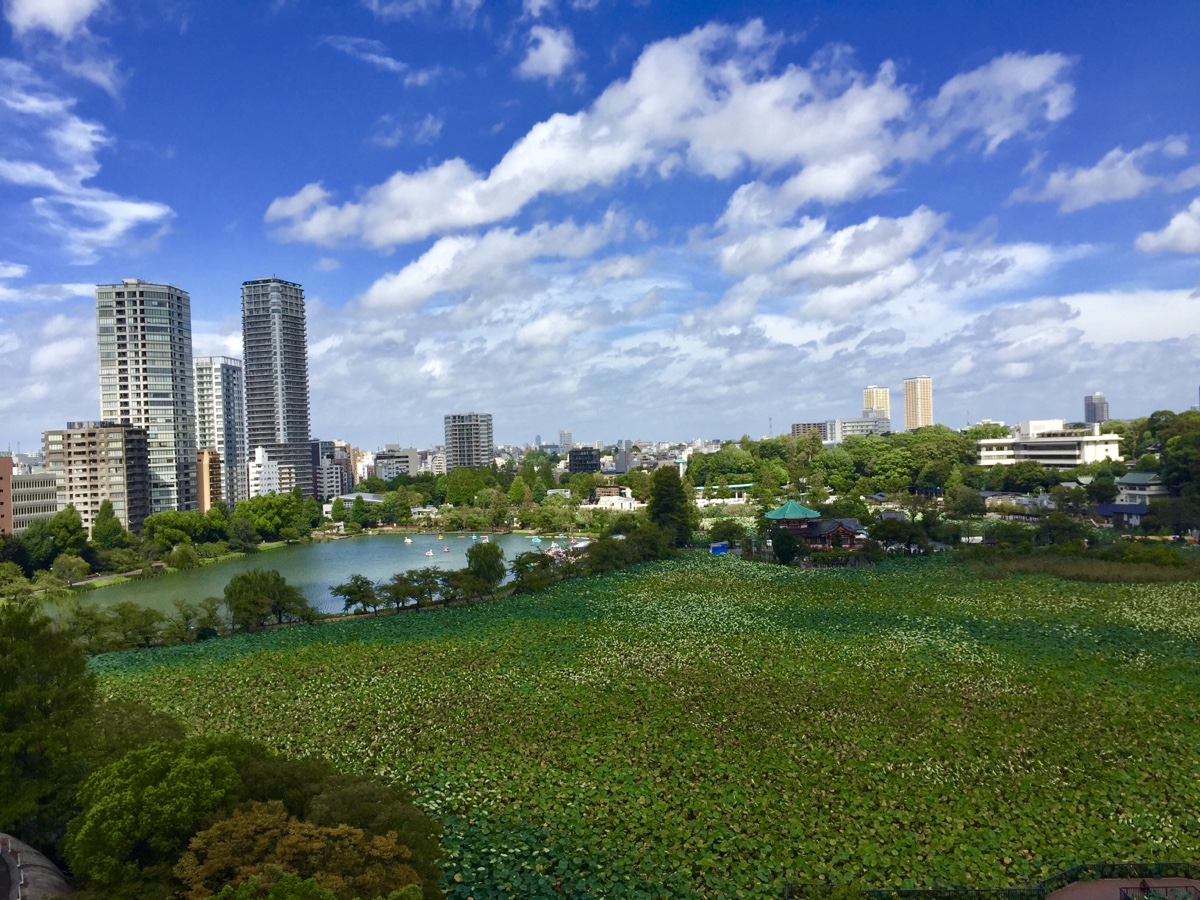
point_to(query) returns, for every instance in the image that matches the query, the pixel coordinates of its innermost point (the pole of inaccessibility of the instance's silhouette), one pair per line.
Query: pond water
(314, 568)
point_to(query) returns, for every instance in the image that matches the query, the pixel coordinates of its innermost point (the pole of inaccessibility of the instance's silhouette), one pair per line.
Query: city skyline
(628, 217)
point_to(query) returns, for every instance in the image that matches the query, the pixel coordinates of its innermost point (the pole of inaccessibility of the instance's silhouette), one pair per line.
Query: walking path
(27, 875)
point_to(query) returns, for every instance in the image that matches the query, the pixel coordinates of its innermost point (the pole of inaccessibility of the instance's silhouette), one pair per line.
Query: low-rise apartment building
(96, 461)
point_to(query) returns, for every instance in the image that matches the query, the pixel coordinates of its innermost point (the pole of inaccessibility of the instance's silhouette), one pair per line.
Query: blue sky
(645, 219)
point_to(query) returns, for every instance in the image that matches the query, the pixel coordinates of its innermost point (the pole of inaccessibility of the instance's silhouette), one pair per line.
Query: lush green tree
(67, 528)
(1102, 489)
(341, 858)
(1060, 529)
(13, 583)
(139, 812)
(988, 431)
(243, 536)
(729, 530)
(669, 506)
(184, 556)
(486, 562)
(399, 590)
(898, 531)
(533, 571)
(427, 583)
(1181, 461)
(1069, 500)
(1173, 515)
(783, 544)
(40, 545)
(68, 569)
(274, 883)
(337, 510)
(12, 550)
(358, 592)
(518, 491)
(358, 512)
(44, 689)
(253, 596)
(107, 531)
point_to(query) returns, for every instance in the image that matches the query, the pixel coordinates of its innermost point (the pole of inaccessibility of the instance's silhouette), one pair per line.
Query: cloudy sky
(628, 219)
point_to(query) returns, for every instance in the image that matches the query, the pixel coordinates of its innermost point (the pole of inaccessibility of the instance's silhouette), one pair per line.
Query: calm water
(314, 568)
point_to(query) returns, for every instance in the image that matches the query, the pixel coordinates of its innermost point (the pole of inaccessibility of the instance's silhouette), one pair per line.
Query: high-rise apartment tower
(221, 420)
(877, 403)
(1095, 409)
(918, 402)
(144, 333)
(275, 344)
(469, 440)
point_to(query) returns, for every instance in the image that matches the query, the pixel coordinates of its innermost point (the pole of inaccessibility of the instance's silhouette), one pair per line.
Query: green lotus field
(712, 727)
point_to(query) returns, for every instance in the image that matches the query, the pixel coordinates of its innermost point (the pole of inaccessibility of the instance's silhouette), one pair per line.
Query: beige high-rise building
(877, 403)
(97, 461)
(918, 402)
(208, 477)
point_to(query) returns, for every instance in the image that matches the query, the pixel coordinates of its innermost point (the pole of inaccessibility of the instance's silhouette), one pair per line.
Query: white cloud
(707, 101)
(63, 18)
(327, 264)
(1007, 96)
(535, 8)
(467, 264)
(66, 148)
(375, 54)
(551, 51)
(398, 10)
(1181, 235)
(1119, 175)
(429, 129)
(34, 293)
(1120, 317)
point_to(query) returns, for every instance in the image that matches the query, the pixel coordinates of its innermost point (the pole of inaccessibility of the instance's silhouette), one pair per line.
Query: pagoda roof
(793, 510)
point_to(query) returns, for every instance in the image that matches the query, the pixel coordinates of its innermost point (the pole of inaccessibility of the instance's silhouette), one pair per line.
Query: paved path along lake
(314, 568)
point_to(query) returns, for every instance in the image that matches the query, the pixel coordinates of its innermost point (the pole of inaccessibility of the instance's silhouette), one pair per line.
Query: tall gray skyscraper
(469, 440)
(221, 420)
(144, 333)
(275, 344)
(1095, 409)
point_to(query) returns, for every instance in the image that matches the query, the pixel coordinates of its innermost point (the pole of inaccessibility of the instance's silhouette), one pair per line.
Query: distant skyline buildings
(918, 402)
(1095, 409)
(144, 340)
(221, 420)
(275, 346)
(877, 402)
(469, 440)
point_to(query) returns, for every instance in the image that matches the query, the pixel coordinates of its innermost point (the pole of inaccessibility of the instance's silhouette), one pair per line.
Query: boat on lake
(429, 553)
(408, 540)
(445, 549)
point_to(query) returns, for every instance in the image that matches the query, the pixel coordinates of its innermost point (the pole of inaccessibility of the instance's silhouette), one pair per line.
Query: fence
(1038, 891)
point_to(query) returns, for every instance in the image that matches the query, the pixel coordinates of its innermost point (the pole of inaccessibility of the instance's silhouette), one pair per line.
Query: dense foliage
(711, 727)
(139, 811)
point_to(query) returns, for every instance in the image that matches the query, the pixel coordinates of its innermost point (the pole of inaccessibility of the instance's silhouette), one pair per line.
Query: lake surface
(314, 568)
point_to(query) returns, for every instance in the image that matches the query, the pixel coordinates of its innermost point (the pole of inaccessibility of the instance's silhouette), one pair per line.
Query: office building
(275, 344)
(393, 461)
(583, 459)
(24, 496)
(144, 334)
(565, 441)
(1051, 443)
(837, 430)
(1095, 409)
(877, 403)
(96, 461)
(918, 402)
(210, 484)
(469, 440)
(221, 420)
